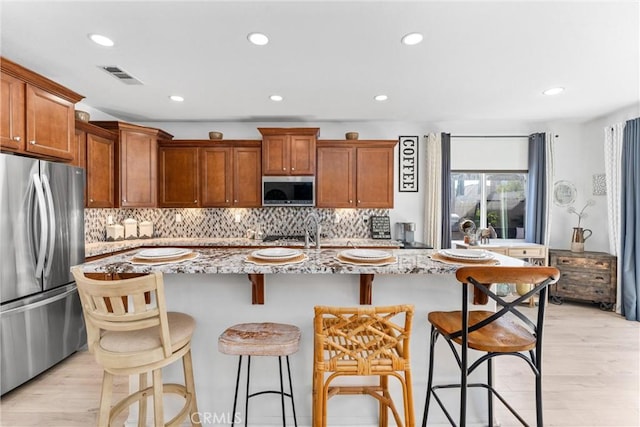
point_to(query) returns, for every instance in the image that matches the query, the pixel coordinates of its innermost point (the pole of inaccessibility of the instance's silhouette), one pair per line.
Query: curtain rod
(489, 136)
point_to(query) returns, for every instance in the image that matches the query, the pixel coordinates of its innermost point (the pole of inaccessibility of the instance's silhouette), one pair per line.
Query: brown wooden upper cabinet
(201, 173)
(96, 153)
(178, 177)
(289, 151)
(231, 175)
(37, 114)
(136, 163)
(355, 174)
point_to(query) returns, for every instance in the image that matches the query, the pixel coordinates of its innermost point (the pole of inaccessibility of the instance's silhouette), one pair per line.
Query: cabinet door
(100, 164)
(50, 125)
(275, 155)
(216, 176)
(302, 154)
(178, 177)
(374, 182)
(247, 177)
(13, 111)
(138, 168)
(335, 178)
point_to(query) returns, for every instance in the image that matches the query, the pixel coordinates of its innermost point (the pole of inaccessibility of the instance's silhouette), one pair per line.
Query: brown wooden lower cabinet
(585, 276)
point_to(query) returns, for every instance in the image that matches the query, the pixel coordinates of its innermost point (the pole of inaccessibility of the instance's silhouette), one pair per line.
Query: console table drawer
(534, 252)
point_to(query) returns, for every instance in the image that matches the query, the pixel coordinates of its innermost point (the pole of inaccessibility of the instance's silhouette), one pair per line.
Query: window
(489, 198)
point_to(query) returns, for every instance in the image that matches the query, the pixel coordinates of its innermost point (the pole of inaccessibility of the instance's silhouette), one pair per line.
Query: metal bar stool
(261, 339)
(507, 331)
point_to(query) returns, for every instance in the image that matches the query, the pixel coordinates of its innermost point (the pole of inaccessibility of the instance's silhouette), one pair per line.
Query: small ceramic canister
(145, 229)
(115, 232)
(130, 228)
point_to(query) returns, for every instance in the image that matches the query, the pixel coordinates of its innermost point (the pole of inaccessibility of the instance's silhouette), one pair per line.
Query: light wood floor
(591, 378)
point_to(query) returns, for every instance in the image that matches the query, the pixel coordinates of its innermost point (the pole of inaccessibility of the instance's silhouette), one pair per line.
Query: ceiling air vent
(121, 75)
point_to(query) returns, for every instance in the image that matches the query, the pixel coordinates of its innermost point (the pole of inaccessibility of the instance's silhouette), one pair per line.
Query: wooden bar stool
(261, 339)
(362, 341)
(507, 331)
(127, 336)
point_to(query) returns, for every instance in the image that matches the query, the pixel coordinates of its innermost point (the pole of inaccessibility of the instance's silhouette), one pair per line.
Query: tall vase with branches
(580, 234)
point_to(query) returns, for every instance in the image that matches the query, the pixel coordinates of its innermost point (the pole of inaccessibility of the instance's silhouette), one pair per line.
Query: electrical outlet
(178, 218)
(366, 220)
(238, 217)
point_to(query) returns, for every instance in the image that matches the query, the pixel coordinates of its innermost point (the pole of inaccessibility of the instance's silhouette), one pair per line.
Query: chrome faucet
(307, 222)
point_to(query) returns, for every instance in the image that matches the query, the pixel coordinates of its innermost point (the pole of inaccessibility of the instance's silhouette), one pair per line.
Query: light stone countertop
(101, 248)
(319, 261)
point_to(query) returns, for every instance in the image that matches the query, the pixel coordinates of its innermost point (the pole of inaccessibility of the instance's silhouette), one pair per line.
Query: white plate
(276, 253)
(466, 254)
(162, 253)
(366, 254)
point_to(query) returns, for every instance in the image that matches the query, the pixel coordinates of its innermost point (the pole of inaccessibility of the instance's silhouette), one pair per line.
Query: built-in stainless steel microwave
(288, 191)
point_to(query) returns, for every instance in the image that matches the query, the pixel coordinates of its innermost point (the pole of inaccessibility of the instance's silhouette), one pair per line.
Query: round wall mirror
(564, 193)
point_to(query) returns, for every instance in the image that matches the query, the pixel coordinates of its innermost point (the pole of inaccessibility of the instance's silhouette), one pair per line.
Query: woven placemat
(347, 260)
(444, 259)
(259, 261)
(144, 261)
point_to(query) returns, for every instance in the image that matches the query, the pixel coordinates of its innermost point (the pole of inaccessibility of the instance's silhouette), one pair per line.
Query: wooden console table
(533, 253)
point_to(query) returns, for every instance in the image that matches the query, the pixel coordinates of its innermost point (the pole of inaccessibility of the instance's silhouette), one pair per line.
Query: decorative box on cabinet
(289, 151)
(585, 276)
(137, 163)
(355, 174)
(96, 153)
(37, 114)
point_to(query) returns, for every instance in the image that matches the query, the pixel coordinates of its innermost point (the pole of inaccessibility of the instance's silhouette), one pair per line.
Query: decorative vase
(578, 238)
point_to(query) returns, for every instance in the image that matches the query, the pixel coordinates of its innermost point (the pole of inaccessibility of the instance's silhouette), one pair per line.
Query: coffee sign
(408, 163)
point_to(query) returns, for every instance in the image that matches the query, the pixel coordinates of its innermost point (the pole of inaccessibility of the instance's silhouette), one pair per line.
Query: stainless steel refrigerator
(41, 237)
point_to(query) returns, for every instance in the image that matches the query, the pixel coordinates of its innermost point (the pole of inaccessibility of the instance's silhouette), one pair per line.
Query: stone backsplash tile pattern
(201, 222)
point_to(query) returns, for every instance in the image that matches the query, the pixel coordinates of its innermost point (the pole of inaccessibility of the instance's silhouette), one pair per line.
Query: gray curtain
(537, 190)
(630, 221)
(446, 190)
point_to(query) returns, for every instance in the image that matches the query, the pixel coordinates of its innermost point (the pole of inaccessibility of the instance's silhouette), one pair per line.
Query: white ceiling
(479, 60)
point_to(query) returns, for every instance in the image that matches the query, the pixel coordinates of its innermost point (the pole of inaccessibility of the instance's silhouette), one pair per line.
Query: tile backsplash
(234, 222)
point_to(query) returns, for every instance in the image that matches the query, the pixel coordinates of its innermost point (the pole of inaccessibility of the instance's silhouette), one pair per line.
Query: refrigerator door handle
(52, 224)
(37, 304)
(44, 225)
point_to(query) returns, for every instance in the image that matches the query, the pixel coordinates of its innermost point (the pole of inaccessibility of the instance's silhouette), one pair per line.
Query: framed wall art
(408, 164)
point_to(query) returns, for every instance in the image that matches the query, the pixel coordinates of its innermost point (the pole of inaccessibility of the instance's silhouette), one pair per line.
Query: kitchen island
(213, 288)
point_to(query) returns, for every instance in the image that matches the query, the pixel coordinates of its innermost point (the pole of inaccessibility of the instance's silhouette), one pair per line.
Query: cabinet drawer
(502, 251)
(585, 277)
(583, 263)
(584, 292)
(534, 252)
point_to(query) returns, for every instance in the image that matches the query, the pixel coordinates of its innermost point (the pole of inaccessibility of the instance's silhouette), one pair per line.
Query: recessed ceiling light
(101, 40)
(258, 39)
(411, 39)
(553, 91)
(381, 97)
(276, 98)
(176, 98)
